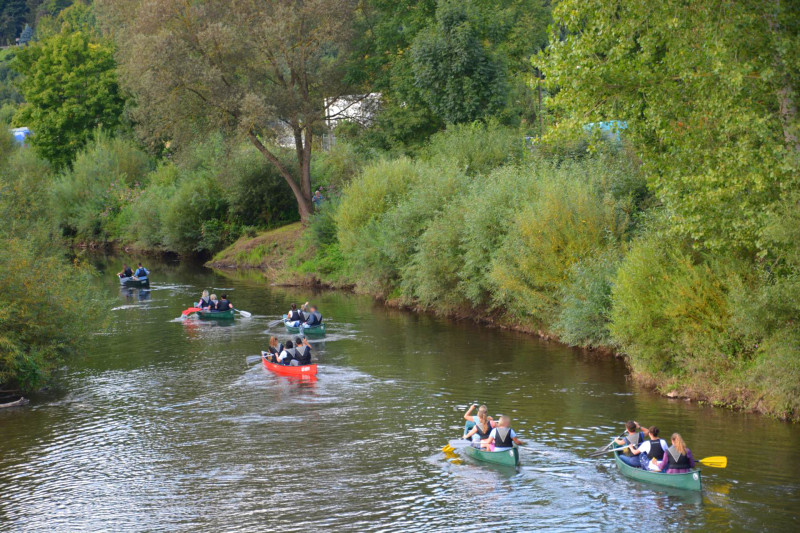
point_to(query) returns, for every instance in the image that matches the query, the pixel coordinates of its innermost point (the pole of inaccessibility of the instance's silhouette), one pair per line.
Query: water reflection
(175, 424)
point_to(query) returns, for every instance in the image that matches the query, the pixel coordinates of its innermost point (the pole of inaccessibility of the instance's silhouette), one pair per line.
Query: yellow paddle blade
(718, 461)
(448, 449)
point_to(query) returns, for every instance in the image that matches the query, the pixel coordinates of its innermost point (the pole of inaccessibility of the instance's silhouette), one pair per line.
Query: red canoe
(307, 370)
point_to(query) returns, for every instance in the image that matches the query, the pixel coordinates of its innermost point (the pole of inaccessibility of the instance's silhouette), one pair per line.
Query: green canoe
(688, 481)
(306, 330)
(134, 282)
(215, 315)
(505, 458)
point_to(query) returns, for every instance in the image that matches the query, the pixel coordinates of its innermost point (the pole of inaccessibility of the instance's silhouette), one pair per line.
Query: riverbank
(277, 256)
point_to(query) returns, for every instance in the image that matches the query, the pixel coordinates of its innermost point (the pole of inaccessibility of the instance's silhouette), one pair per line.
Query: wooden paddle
(717, 461)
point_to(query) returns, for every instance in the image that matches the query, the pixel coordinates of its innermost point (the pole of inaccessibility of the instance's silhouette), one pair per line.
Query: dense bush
(569, 217)
(106, 175)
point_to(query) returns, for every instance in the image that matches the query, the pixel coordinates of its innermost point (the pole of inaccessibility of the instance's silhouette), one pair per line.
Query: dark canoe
(688, 481)
(284, 370)
(505, 458)
(307, 330)
(215, 315)
(134, 282)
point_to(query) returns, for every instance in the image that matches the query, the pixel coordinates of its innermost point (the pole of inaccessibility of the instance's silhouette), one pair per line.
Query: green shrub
(106, 175)
(569, 218)
(475, 148)
(192, 216)
(335, 168)
(586, 301)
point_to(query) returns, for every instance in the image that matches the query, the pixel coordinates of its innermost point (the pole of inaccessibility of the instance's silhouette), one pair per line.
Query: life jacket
(127, 273)
(314, 318)
(295, 316)
(502, 438)
(656, 449)
(303, 355)
(677, 460)
(276, 351)
(141, 272)
(203, 303)
(634, 439)
(481, 434)
(291, 353)
(223, 305)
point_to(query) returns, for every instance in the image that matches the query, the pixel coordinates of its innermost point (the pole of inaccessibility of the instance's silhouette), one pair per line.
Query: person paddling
(634, 437)
(678, 458)
(224, 304)
(652, 449)
(126, 272)
(302, 352)
(205, 301)
(294, 316)
(212, 306)
(502, 437)
(287, 355)
(312, 317)
(141, 272)
(483, 424)
(274, 349)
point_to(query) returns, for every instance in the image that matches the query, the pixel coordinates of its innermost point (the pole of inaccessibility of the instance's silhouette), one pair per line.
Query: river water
(168, 424)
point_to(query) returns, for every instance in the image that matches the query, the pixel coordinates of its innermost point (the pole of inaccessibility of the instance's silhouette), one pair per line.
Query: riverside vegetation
(674, 242)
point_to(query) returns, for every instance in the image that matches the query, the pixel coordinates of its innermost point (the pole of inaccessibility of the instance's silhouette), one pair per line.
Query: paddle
(717, 461)
(243, 313)
(275, 323)
(598, 453)
(190, 310)
(607, 446)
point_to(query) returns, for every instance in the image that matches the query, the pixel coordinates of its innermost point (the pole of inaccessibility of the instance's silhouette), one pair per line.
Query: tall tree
(70, 87)
(709, 89)
(266, 69)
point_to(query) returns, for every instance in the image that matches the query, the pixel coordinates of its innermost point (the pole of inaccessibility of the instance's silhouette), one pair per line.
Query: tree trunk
(303, 198)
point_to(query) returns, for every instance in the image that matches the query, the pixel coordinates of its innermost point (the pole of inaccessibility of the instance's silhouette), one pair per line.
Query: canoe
(688, 481)
(215, 315)
(505, 457)
(134, 282)
(284, 370)
(307, 330)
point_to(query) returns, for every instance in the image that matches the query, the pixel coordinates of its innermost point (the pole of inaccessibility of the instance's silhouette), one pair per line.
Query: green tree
(460, 78)
(13, 15)
(709, 91)
(70, 87)
(269, 70)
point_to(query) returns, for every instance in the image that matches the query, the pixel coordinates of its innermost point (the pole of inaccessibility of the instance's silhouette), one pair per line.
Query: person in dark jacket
(126, 271)
(224, 304)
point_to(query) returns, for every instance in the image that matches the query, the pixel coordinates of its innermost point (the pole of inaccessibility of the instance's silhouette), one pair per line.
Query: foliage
(279, 63)
(70, 87)
(708, 89)
(106, 175)
(461, 80)
(48, 306)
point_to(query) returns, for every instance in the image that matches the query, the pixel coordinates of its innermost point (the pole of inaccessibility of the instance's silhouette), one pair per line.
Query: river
(166, 425)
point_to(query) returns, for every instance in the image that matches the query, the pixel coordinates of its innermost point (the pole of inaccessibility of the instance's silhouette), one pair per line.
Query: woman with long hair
(204, 302)
(678, 459)
(483, 424)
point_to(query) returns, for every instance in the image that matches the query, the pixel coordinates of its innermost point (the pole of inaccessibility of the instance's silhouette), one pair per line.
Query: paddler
(312, 317)
(634, 437)
(126, 271)
(141, 272)
(483, 424)
(502, 437)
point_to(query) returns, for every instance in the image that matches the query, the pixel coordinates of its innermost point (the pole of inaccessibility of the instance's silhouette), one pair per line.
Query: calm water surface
(175, 425)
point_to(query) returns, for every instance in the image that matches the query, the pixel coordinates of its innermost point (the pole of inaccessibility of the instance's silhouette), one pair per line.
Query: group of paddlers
(140, 273)
(644, 449)
(487, 434)
(306, 316)
(297, 353)
(211, 303)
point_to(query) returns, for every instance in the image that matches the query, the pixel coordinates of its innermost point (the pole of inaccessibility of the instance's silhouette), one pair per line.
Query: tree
(70, 87)
(709, 91)
(12, 19)
(460, 78)
(266, 69)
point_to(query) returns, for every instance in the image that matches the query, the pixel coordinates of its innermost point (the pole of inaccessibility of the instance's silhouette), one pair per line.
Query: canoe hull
(131, 282)
(215, 315)
(688, 481)
(504, 458)
(313, 330)
(297, 371)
